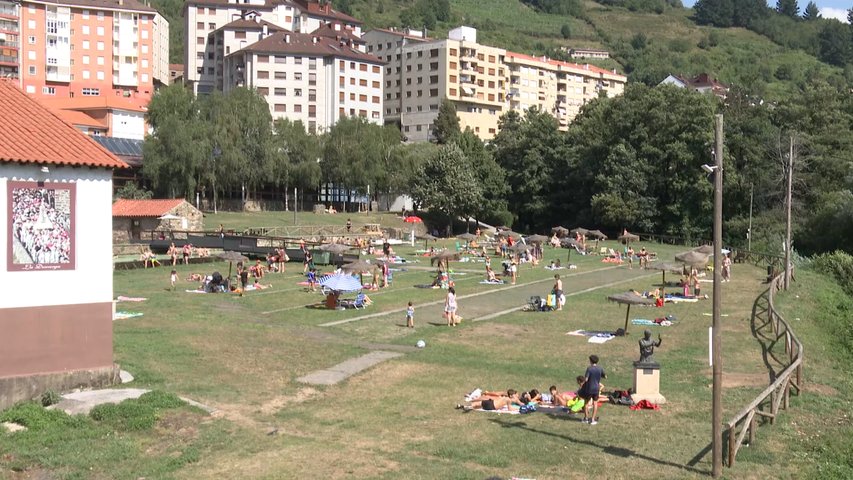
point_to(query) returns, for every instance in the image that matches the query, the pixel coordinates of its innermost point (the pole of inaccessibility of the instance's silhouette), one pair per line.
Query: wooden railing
(767, 404)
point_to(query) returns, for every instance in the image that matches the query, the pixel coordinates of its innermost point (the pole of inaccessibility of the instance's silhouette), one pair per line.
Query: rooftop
(145, 208)
(132, 5)
(106, 102)
(79, 119)
(31, 133)
(310, 45)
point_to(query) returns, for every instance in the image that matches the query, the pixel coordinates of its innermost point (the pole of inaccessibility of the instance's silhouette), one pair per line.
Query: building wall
(160, 50)
(72, 50)
(9, 39)
(59, 321)
(127, 124)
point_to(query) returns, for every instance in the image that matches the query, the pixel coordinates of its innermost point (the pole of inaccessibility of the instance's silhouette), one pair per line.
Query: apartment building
(9, 39)
(422, 72)
(204, 17)
(482, 81)
(160, 63)
(317, 78)
(89, 48)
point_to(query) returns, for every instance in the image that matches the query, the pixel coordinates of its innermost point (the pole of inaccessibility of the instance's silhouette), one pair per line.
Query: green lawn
(242, 356)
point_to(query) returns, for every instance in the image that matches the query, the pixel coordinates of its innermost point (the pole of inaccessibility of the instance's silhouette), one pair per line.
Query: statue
(647, 348)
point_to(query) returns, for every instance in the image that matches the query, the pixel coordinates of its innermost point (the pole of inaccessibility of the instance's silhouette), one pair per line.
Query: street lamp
(716, 350)
(215, 154)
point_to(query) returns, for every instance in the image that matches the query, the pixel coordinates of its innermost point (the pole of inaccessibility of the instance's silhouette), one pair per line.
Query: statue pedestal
(647, 383)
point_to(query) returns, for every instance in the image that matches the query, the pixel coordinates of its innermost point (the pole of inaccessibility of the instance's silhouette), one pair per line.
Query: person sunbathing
(490, 275)
(259, 286)
(195, 277)
(510, 401)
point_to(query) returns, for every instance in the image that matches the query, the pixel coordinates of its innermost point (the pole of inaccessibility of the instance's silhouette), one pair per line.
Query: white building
(160, 63)
(317, 78)
(203, 17)
(56, 190)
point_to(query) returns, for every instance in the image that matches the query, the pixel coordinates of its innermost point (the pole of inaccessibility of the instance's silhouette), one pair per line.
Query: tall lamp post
(215, 154)
(716, 353)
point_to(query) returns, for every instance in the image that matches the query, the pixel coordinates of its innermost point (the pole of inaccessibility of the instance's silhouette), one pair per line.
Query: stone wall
(30, 387)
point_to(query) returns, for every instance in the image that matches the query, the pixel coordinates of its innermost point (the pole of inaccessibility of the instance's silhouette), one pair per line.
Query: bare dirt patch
(732, 380)
(277, 403)
(820, 389)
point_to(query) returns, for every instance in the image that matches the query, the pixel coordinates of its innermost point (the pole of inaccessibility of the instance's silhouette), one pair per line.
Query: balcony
(10, 59)
(467, 79)
(9, 43)
(468, 67)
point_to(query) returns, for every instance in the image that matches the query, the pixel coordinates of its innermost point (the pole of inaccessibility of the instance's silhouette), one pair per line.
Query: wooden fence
(767, 404)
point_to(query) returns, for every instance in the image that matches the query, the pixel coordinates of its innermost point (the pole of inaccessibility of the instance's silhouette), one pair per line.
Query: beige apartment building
(317, 78)
(203, 17)
(482, 81)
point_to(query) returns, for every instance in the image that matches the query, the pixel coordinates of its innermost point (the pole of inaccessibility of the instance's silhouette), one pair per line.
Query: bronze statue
(647, 347)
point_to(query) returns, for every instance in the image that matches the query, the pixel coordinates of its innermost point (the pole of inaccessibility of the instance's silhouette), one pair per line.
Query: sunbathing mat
(587, 333)
(122, 298)
(678, 299)
(485, 282)
(124, 315)
(601, 339)
(503, 410)
(650, 323)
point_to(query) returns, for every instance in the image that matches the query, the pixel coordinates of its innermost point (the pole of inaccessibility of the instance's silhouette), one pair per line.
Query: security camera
(708, 168)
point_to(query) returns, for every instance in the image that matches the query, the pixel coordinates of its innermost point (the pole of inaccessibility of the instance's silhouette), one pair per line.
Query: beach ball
(421, 344)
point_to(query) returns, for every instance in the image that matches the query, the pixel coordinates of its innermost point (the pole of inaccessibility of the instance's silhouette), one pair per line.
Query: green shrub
(49, 398)
(159, 399)
(837, 264)
(35, 417)
(127, 415)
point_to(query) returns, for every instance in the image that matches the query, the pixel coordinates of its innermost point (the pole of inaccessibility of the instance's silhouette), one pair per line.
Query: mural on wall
(41, 236)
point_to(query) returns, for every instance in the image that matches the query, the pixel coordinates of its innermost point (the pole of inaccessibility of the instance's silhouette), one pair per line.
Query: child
(174, 279)
(312, 280)
(410, 316)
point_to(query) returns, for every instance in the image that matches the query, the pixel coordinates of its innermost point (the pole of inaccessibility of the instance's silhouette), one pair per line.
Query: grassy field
(242, 356)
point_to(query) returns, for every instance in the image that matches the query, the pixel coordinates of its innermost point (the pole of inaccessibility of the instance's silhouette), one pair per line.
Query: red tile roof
(403, 34)
(314, 8)
(79, 119)
(587, 67)
(247, 24)
(31, 133)
(106, 102)
(304, 44)
(329, 30)
(131, 5)
(145, 208)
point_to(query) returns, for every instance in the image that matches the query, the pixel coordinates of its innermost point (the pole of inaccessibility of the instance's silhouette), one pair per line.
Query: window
(312, 79)
(280, 107)
(297, 60)
(376, 85)
(492, 131)
(352, 96)
(91, 92)
(433, 92)
(101, 61)
(85, 14)
(263, 59)
(263, 91)
(31, 55)
(387, 96)
(297, 108)
(100, 46)
(375, 114)
(210, 11)
(418, 128)
(362, 113)
(144, 34)
(101, 16)
(237, 35)
(420, 53)
(409, 94)
(420, 93)
(144, 78)
(48, 90)
(491, 97)
(86, 74)
(145, 49)
(341, 97)
(85, 44)
(312, 111)
(31, 39)
(100, 31)
(312, 63)
(297, 92)
(280, 60)
(85, 29)
(491, 59)
(408, 81)
(452, 92)
(433, 53)
(453, 65)
(31, 24)
(452, 52)
(100, 75)
(297, 76)
(420, 80)
(341, 82)
(263, 74)
(453, 79)
(210, 71)
(280, 92)
(491, 71)
(280, 75)
(362, 98)
(376, 69)
(211, 26)
(352, 81)
(375, 99)
(362, 82)
(312, 95)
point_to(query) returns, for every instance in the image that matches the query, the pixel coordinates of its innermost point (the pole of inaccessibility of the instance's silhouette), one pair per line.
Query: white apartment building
(203, 17)
(483, 82)
(160, 60)
(315, 78)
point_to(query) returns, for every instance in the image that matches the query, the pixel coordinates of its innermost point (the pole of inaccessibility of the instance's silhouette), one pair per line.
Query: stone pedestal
(647, 383)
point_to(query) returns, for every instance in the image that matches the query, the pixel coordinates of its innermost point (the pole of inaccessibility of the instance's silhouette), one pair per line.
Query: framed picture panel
(41, 220)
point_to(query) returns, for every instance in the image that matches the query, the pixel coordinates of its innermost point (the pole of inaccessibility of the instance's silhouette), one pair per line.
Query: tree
(566, 30)
(835, 43)
(296, 152)
(447, 184)
(446, 127)
(789, 8)
(133, 191)
(811, 12)
(178, 152)
(490, 176)
(639, 41)
(714, 12)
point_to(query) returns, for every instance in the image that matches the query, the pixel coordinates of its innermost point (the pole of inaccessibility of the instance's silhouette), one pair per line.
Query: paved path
(501, 300)
(347, 368)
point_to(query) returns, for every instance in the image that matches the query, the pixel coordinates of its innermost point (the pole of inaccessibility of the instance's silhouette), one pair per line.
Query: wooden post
(786, 393)
(731, 447)
(752, 430)
(773, 407)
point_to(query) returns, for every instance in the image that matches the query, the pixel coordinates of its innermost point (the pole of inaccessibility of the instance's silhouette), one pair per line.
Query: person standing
(727, 267)
(173, 253)
(558, 291)
(349, 225)
(187, 251)
(410, 316)
(591, 389)
(450, 307)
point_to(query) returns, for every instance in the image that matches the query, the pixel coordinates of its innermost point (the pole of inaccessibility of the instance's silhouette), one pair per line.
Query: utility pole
(716, 354)
(749, 230)
(788, 214)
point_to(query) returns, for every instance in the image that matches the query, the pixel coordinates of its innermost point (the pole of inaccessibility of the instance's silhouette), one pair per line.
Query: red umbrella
(413, 219)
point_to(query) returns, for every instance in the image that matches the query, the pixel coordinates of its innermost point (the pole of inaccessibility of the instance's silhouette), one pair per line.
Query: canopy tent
(341, 283)
(630, 298)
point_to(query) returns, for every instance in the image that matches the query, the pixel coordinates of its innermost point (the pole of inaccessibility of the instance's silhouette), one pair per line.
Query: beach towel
(679, 299)
(124, 315)
(502, 410)
(496, 282)
(195, 291)
(601, 338)
(122, 298)
(587, 333)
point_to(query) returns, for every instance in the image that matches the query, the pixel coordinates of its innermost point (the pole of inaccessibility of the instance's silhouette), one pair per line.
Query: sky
(828, 8)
